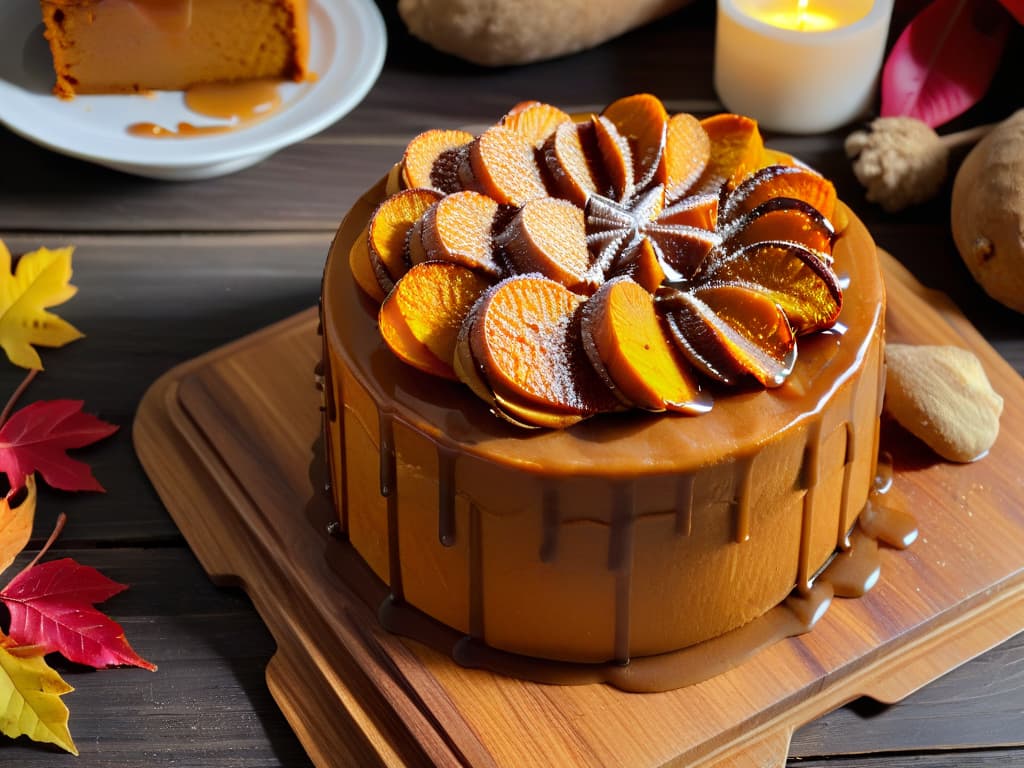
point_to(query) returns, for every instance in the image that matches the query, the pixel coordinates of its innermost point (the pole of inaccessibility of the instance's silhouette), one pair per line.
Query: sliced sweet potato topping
(362, 268)
(393, 183)
(431, 158)
(644, 267)
(627, 344)
(617, 159)
(790, 275)
(525, 335)
(729, 331)
(693, 211)
(736, 149)
(794, 181)
(504, 166)
(406, 347)
(572, 158)
(460, 229)
(421, 317)
(782, 218)
(687, 150)
(776, 157)
(389, 231)
(535, 121)
(547, 235)
(530, 415)
(681, 249)
(643, 121)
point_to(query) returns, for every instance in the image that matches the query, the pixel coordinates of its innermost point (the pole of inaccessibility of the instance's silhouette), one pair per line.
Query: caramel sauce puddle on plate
(240, 104)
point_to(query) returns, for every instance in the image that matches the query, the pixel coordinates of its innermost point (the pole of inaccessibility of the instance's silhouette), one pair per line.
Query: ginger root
(901, 161)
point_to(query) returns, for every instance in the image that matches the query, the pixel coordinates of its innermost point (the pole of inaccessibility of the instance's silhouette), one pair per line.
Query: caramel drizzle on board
(851, 572)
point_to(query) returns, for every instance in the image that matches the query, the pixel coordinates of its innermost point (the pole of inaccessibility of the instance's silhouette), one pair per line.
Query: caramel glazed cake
(566, 422)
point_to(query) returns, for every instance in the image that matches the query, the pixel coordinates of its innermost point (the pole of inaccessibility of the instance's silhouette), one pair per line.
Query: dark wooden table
(167, 271)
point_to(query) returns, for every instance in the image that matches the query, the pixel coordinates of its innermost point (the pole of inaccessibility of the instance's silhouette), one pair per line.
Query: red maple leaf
(51, 606)
(36, 438)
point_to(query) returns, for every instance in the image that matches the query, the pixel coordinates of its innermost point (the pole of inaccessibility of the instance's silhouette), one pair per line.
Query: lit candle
(800, 66)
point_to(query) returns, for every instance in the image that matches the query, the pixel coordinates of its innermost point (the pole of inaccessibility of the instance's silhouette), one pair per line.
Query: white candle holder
(800, 80)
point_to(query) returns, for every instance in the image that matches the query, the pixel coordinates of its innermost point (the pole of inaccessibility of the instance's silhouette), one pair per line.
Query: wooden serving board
(229, 441)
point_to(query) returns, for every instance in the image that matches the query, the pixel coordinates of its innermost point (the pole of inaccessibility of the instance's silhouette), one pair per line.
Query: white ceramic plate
(347, 45)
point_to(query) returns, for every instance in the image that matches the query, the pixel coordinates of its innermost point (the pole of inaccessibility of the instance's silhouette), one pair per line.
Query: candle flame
(801, 14)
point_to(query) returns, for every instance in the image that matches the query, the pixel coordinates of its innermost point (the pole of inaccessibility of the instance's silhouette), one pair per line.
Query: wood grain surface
(168, 271)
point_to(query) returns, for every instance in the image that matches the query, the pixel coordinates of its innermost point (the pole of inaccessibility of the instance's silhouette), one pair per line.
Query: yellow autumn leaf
(41, 280)
(16, 524)
(30, 702)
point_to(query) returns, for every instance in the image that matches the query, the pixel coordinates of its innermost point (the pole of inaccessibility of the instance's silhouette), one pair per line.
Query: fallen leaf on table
(30, 702)
(51, 605)
(16, 523)
(1016, 7)
(35, 439)
(40, 280)
(929, 76)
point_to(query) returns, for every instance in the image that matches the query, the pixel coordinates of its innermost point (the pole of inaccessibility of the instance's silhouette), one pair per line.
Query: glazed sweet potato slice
(389, 231)
(736, 150)
(643, 121)
(782, 218)
(692, 211)
(431, 159)
(776, 157)
(535, 121)
(774, 181)
(572, 157)
(547, 235)
(795, 278)
(525, 335)
(421, 317)
(729, 332)
(362, 268)
(459, 229)
(644, 267)
(504, 166)
(616, 159)
(687, 150)
(627, 344)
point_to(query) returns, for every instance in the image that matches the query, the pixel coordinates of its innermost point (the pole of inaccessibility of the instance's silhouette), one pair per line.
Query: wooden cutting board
(229, 441)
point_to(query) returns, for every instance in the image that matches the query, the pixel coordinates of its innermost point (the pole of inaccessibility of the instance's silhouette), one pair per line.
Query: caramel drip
(667, 671)
(550, 519)
(883, 474)
(855, 570)
(446, 495)
(842, 533)
(388, 472)
(811, 470)
(684, 505)
(476, 574)
(850, 574)
(240, 104)
(327, 383)
(744, 468)
(893, 527)
(620, 560)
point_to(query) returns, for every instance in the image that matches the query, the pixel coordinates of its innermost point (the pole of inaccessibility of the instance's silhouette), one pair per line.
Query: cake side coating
(624, 535)
(130, 46)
